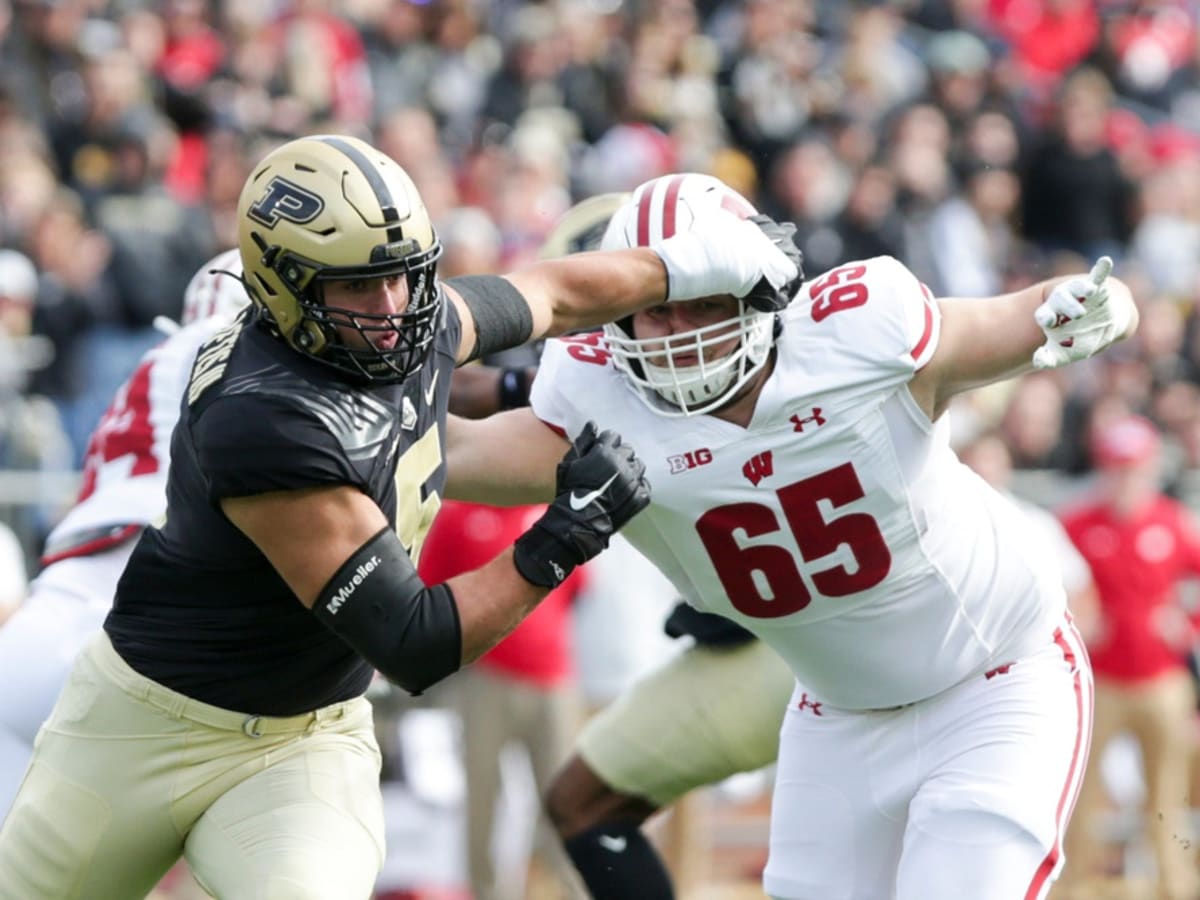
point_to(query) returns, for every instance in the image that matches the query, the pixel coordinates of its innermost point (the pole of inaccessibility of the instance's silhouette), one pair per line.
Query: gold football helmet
(331, 207)
(582, 226)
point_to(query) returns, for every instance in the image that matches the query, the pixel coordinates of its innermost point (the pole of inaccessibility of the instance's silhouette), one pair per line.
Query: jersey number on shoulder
(764, 580)
(414, 516)
(839, 289)
(588, 348)
(124, 431)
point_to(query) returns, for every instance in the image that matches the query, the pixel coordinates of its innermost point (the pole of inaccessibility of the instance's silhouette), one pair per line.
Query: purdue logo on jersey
(285, 200)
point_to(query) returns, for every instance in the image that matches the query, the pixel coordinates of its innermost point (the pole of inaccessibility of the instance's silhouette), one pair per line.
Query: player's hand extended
(601, 486)
(723, 253)
(1081, 317)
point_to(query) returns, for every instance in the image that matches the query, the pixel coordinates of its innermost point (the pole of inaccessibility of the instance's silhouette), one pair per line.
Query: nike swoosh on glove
(724, 254)
(601, 486)
(1080, 318)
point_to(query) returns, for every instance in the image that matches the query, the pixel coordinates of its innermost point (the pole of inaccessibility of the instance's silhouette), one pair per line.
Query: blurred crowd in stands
(985, 142)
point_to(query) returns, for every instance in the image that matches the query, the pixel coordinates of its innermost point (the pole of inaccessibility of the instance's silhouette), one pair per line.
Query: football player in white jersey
(803, 486)
(123, 489)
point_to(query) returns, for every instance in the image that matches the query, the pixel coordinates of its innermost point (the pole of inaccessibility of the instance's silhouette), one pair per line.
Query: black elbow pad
(378, 605)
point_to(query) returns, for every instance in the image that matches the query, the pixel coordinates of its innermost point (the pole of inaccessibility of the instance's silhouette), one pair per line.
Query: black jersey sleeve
(250, 444)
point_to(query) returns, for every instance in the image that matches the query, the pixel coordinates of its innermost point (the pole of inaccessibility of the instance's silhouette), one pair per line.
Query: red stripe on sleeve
(90, 548)
(927, 334)
(561, 432)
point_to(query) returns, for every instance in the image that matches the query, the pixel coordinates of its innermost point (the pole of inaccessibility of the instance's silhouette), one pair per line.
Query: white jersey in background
(839, 526)
(123, 490)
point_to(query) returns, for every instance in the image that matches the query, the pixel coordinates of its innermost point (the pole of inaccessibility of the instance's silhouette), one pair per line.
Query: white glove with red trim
(723, 254)
(1080, 318)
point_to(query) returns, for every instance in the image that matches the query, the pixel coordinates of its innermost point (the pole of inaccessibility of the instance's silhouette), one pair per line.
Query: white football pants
(966, 794)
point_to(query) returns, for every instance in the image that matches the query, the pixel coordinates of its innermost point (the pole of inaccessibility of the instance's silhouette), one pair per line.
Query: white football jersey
(839, 526)
(125, 466)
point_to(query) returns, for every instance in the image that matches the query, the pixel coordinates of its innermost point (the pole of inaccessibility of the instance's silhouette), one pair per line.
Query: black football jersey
(199, 608)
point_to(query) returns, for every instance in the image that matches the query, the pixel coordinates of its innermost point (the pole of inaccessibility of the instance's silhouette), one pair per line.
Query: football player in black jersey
(220, 714)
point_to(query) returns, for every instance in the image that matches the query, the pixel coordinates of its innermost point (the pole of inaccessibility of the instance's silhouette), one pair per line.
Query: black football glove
(601, 486)
(763, 296)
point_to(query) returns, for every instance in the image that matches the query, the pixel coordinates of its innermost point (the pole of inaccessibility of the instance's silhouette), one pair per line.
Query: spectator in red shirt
(1140, 544)
(523, 691)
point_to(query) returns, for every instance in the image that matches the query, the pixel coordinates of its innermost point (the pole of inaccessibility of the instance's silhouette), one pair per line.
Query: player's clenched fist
(1082, 316)
(601, 486)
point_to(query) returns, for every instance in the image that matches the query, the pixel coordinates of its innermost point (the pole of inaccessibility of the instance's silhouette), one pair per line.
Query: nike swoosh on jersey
(577, 502)
(432, 385)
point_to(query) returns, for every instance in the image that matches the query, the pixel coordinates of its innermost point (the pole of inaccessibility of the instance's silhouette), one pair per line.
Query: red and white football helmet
(216, 289)
(657, 210)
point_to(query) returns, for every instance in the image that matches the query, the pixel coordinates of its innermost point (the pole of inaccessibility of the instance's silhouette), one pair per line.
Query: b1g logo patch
(285, 200)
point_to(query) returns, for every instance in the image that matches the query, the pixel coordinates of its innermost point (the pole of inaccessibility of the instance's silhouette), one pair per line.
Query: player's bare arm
(323, 540)
(989, 339)
(309, 535)
(750, 258)
(503, 460)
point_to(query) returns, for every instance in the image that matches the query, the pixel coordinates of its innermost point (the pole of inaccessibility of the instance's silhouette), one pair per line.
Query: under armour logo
(805, 703)
(758, 467)
(816, 418)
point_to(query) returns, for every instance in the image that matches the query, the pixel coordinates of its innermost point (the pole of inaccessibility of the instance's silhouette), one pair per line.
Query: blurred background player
(711, 711)
(123, 490)
(522, 695)
(1140, 545)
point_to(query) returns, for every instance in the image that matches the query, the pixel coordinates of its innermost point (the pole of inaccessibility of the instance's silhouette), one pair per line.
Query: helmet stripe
(670, 204)
(374, 179)
(643, 217)
(667, 189)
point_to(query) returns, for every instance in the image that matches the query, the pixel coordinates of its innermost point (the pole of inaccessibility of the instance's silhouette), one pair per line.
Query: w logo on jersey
(288, 201)
(758, 467)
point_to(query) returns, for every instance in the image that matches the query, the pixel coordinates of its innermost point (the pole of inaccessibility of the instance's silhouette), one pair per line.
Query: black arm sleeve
(378, 605)
(501, 313)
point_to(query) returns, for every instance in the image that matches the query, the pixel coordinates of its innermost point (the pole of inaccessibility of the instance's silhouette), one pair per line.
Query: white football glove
(1080, 318)
(722, 254)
